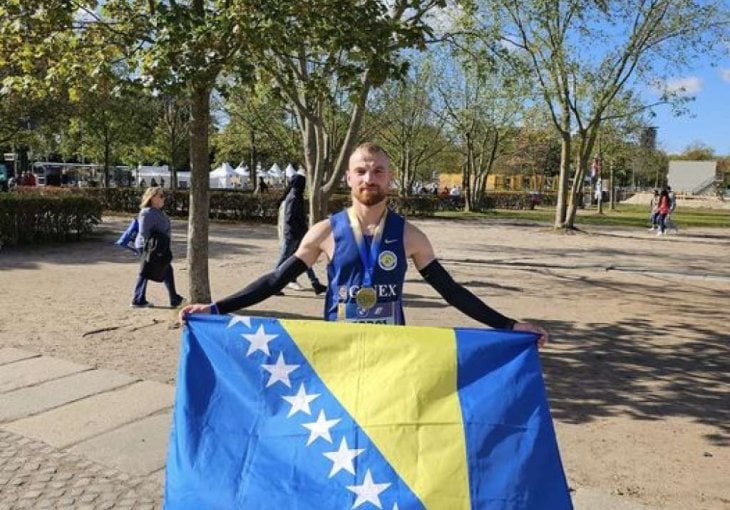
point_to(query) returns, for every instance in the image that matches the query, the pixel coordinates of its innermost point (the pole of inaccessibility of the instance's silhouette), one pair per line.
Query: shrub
(245, 206)
(37, 217)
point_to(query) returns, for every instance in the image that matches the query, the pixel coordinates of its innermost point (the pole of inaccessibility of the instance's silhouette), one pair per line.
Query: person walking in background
(663, 207)
(262, 187)
(653, 212)
(292, 225)
(669, 222)
(153, 239)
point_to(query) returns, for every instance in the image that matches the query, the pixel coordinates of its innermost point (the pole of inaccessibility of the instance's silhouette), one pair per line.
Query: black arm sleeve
(460, 298)
(266, 286)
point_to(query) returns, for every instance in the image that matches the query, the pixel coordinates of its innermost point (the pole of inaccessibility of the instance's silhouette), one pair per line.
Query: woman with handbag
(153, 239)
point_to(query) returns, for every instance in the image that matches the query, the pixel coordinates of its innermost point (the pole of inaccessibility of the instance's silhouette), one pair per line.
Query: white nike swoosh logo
(388, 241)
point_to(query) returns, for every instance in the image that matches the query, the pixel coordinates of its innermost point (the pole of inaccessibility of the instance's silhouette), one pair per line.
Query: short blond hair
(371, 148)
(149, 194)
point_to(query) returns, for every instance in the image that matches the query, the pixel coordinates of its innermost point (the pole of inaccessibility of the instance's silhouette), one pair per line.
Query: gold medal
(366, 298)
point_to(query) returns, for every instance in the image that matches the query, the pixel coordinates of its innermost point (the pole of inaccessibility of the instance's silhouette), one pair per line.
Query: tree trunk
(406, 177)
(107, 150)
(199, 206)
(336, 167)
(107, 153)
(585, 149)
(173, 172)
(252, 173)
(171, 114)
(576, 192)
(467, 173)
(561, 205)
(314, 173)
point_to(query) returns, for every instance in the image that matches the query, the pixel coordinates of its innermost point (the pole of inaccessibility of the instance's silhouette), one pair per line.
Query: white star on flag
(395, 506)
(259, 341)
(320, 428)
(238, 319)
(342, 458)
(280, 371)
(300, 401)
(368, 492)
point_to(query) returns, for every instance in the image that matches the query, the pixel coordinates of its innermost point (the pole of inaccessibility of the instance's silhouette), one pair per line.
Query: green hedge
(229, 204)
(31, 218)
(243, 205)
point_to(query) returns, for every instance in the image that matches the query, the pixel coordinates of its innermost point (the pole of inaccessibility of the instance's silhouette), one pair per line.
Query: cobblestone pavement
(38, 476)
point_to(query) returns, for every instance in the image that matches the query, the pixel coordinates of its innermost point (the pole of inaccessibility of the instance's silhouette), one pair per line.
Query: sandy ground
(638, 372)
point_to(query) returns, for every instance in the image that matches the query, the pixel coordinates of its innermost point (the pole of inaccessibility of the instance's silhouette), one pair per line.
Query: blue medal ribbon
(368, 257)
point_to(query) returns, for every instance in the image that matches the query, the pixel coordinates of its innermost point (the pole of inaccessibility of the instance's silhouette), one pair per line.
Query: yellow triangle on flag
(399, 385)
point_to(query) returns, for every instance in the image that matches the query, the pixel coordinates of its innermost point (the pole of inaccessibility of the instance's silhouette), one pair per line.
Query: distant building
(693, 177)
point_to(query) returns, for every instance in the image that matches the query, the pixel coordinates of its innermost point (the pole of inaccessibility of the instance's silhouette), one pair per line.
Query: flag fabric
(126, 240)
(286, 414)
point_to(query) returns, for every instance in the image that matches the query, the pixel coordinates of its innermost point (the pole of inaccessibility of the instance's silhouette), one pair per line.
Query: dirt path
(638, 373)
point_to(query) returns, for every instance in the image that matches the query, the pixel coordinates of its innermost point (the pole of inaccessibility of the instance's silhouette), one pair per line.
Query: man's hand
(543, 337)
(191, 309)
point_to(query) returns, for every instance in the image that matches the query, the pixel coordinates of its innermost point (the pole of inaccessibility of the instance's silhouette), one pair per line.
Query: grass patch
(625, 215)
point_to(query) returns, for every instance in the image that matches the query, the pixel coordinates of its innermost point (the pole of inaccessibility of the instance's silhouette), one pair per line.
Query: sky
(709, 118)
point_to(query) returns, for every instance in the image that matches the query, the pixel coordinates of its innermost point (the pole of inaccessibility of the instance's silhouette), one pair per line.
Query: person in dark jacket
(292, 227)
(153, 220)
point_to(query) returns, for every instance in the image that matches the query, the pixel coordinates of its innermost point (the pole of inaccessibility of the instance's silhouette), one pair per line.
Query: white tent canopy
(290, 171)
(242, 170)
(222, 177)
(183, 179)
(160, 174)
(153, 170)
(243, 175)
(275, 172)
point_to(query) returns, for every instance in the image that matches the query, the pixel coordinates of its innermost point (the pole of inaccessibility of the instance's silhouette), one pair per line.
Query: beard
(369, 195)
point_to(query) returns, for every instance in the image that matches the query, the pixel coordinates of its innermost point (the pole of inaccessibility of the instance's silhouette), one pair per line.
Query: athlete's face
(369, 177)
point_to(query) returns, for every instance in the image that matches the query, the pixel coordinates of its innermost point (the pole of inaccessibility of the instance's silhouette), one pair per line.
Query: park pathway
(72, 436)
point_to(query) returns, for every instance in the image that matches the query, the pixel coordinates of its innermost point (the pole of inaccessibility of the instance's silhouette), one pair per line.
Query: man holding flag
(367, 247)
(320, 415)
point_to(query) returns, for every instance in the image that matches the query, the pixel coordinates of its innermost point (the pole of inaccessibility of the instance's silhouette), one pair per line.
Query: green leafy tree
(403, 120)
(584, 56)
(182, 49)
(697, 151)
(482, 104)
(113, 119)
(260, 128)
(173, 133)
(333, 55)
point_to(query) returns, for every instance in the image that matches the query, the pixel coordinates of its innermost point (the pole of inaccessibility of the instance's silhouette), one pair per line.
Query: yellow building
(502, 182)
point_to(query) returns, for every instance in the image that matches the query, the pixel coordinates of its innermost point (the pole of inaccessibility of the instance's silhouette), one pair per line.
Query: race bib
(381, 313)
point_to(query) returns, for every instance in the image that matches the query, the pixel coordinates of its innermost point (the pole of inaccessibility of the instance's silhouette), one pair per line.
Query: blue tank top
(345, 274)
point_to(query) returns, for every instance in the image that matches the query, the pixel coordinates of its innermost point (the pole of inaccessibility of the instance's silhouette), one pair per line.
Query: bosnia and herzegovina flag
(279, 414)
